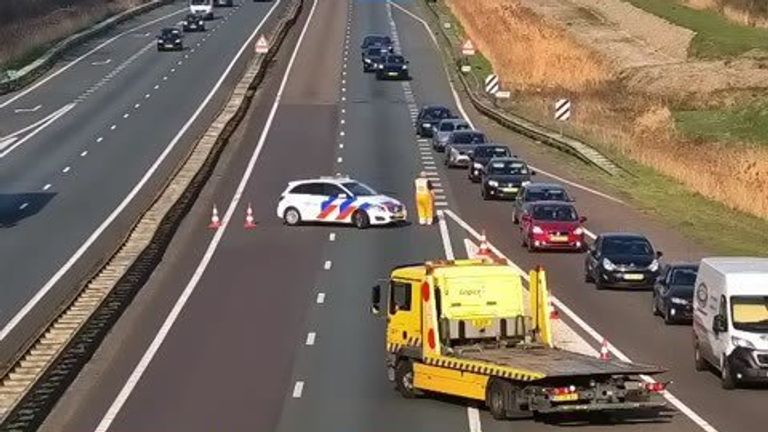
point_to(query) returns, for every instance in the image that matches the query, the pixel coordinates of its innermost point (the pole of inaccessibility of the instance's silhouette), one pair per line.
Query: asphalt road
(275, 334)
(64, 173)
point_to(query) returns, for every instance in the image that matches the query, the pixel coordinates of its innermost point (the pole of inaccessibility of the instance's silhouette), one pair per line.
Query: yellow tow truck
(461, 328)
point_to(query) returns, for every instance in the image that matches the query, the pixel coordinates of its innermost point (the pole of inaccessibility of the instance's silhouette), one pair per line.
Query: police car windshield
(488, 152)
(396, 59)
(750, 313)
(469, 138)
(558, 213)
(508, 168)
(546, 195)
(358, 189)
(626, 246)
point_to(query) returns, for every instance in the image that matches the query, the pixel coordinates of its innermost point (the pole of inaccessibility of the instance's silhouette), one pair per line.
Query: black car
(373, 58)
(622, 260)
(673, 292)
(193, 22)
(533, 192)
(393, 67)
(377, 41)
(169, 39)
(223, 3)
(459, 147)
(480, 156)
(429, 117)
(503, 177)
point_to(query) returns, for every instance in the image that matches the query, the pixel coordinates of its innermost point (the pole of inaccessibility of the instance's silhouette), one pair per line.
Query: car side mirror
(375, 299)
(582, 219)
(659, 254)
(719, 325)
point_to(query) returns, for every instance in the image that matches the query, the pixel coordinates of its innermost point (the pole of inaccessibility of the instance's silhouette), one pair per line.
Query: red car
(552, 225)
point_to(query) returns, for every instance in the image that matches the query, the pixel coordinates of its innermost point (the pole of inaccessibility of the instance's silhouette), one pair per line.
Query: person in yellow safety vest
(424, 199)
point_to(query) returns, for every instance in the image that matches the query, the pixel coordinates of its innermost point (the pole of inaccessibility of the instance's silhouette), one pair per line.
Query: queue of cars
(378, 56)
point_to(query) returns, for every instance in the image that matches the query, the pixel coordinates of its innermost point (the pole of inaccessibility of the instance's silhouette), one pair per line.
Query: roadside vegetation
(688, 172)
(29, 27)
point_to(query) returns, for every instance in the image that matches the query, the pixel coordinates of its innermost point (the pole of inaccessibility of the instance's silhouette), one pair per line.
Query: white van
(730, 319)
(202, 7)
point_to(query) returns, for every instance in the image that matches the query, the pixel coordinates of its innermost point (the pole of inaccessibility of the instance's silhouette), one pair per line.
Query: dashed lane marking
(298, 389)
(310, 338)
(320, 298)
(327, 265)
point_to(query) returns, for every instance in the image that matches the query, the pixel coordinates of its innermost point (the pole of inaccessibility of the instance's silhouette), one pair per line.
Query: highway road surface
(82, 149)
(268, 329)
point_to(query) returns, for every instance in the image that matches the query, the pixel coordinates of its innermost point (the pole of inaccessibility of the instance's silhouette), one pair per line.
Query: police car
(337, 200)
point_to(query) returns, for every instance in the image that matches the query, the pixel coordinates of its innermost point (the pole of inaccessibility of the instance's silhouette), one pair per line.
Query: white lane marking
(332, 237)
(340, 159)
(27, 110)
(127, 200)
(327, 265)
(23, 206)
(447, 246)
(84, 153)
(79, 59)
(165, 78)
(460, 106)
(126, 115)
(597, 337)
(47, 186)
(320, 298)
(311, 338)
(589, 233)
(33, 125)
(157, 86)
(66, 169)
(102, 62)
(99, 139)
(342, 133)
(343, 121)
(146, 96)
(113, 127)
(298, 389)
(473, 416)
(8, 144)
(173, 70)
(136, 106)
(341, 145)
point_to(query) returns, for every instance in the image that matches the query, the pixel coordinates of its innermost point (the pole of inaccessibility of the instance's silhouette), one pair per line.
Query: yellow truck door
(404, 314)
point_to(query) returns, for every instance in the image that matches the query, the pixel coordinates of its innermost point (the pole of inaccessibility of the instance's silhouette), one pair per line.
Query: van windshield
(750, 313)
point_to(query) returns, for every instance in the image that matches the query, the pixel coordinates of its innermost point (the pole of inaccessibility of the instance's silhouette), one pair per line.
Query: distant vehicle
(337, 200)
(443, 130)
(533, 192)
(193, 23)
(503, 178)
(673, 293)
(202, 7)
(393, 67)
(481, 155)
(730, 319)
(552, 225)
(377, 41)
(429, 117)
(223, 3)
(622, 260)
(373, 58)
(170, 40)
(460, 145)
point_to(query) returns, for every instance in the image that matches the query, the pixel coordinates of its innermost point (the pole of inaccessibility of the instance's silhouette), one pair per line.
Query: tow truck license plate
(633, 276)
(566, 397)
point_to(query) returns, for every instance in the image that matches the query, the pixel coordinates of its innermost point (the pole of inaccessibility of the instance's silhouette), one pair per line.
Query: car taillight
(655, 387)
(557, 391)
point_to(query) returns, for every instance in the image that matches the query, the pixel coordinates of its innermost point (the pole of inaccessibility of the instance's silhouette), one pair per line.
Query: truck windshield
(200, 2)
(750, 313)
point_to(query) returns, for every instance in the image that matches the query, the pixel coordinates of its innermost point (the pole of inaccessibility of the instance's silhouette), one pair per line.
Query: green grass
(746, 123)
(716, 36)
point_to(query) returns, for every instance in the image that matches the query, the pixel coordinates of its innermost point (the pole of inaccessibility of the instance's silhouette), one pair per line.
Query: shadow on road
(15, 207)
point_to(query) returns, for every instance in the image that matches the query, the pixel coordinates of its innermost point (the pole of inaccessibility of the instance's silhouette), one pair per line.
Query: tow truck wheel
(698, 361)
(361, 220)
(404, 379)
(500, 398)
(727, 380)
(292, 217)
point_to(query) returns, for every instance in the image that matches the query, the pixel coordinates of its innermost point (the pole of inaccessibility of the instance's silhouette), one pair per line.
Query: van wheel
(727, 380)
(698, 361)
(292, 217)
(404, 379)
(361, 220)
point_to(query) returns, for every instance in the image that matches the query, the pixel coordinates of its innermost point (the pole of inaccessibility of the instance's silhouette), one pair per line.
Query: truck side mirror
(375, 299)
(719, 324)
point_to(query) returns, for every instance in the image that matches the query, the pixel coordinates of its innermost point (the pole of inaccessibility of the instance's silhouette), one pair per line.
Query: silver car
(443, 130)
(460, 145)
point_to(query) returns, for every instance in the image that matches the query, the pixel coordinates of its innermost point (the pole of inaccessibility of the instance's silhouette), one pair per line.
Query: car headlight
(578, 231)
(608, 265)
(493, 183)
(405, 67)
(477, 165)
(525, 183)
(654, 266)
(739, 342)
(367, 60)
(426, 125)
(537, 230)
(678, 301)
(178, 40)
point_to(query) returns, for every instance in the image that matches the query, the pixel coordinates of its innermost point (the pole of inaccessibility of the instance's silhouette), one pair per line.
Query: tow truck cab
(461, 328)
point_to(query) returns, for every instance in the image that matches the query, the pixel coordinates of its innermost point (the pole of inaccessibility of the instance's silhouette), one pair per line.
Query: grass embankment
(29, 27)
(705, 189)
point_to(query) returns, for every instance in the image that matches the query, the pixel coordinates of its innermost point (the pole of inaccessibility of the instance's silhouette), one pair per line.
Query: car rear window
(469, 138)
(490, 152)
(437, 113)
(554, 213)
(546, 195)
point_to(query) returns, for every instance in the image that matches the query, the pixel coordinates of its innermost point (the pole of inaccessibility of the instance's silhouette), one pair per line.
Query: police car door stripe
(327, 207)
(346, 208)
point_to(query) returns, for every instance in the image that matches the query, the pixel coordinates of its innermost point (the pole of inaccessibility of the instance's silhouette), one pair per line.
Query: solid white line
(692, 415)
(473, 416)
(310, 338)
(128, 199)
(163, 332)
(12, 144)
(77, 60)
(27, 110)
(320, 298)
(35, 124)
(327, 265)
(447, 246)
(298, 389)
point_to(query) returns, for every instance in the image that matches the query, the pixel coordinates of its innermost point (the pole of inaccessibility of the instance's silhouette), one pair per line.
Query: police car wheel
(361, 220)
(292, 217)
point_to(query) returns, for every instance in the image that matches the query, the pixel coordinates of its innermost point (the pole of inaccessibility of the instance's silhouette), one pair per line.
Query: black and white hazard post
(562, 111)
(492, 84)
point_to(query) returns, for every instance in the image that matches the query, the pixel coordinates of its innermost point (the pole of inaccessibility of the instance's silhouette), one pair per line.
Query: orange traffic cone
(605, 355)
(249, 224)
(215, 221)
(484, 251)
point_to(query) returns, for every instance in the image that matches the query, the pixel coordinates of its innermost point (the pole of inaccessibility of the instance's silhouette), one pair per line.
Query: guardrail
(15, 80)
(40, 377)
(523, 126)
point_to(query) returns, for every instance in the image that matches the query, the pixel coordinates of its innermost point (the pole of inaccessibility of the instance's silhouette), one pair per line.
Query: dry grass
(523, 49)
(29, 25)
(527, 52)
